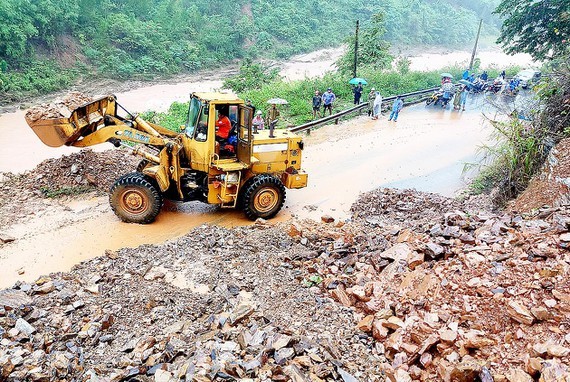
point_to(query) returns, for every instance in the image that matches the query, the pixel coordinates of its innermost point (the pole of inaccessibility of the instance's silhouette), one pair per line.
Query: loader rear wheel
(135, 198)
(263, 197)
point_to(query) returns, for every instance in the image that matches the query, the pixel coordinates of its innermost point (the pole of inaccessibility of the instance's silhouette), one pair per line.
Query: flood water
(426, 149)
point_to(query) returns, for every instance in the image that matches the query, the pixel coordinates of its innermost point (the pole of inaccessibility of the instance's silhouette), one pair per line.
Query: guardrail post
(336, 121)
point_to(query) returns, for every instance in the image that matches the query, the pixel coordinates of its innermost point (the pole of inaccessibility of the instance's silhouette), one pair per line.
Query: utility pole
(355, 49)
(475, 47)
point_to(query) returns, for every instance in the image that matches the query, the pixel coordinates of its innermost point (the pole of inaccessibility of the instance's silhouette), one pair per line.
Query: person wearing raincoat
(457, 98)
(371, 97)
(377, 105)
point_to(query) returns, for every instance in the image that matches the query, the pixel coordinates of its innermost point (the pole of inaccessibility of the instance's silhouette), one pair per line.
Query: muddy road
(426, 149)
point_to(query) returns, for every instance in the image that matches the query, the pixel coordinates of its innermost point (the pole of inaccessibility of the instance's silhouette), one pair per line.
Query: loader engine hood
(278, 154)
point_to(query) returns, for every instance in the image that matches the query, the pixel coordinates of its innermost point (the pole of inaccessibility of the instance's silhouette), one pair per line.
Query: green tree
(540, 28)
(251, 76)
(373, 50)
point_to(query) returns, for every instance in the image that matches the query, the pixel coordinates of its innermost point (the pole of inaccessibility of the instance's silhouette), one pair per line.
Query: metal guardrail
(335, 117)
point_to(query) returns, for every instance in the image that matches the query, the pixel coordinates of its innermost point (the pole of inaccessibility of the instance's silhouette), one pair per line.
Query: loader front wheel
(142, 165)
(135, 198)
(263, 197)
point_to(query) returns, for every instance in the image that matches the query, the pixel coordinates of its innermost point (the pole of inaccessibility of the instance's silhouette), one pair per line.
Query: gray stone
(14, 298)
(282, 355)
(24, 327)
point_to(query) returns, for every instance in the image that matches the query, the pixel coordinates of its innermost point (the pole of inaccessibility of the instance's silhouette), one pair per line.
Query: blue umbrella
(357, 80)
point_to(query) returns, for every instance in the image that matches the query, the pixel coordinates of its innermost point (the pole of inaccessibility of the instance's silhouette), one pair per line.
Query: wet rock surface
(415, 287)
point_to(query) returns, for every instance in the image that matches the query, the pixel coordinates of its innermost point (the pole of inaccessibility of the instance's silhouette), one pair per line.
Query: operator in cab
(223, 125)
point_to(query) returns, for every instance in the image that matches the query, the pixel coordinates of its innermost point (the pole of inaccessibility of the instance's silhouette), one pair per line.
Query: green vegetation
(522, 145)
(57, 192)
(539, 28)
(46, 44)
(299, 93)
(373, 50)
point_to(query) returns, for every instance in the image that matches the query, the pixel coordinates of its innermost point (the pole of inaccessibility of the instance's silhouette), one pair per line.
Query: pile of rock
(214, 305)
(58, 109)
(469, 296)
(405, 291)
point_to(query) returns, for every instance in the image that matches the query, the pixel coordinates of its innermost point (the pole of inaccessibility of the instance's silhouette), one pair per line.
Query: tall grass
(522, 145)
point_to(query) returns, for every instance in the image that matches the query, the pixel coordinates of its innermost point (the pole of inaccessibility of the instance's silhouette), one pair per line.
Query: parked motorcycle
(434, 98)
(494, 87)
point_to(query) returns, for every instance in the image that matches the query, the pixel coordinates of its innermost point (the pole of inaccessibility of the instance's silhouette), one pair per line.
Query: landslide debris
(216, 304)
(61, 108)
(77, 173)
(415, 287)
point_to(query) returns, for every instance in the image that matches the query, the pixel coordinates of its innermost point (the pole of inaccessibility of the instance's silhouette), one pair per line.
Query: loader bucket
(56, 132)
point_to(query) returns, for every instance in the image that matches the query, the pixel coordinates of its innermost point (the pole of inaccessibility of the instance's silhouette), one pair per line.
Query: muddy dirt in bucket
(61, 108)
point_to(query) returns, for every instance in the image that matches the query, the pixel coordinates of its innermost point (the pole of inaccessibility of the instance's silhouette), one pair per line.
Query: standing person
(465, 74)
(357, 93)
(503, 74)
(463, 99)
(328, 100)
(317, 102)
(249, 104)
(484, 76)
(272, 118)
(377, 105)
(257, 122)
(371, 97)
(457, 98)
(448, 89)
(396, 107)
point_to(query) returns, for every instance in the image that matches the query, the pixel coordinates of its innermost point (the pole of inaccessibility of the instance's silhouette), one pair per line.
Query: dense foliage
(539, 28)
(44, 44)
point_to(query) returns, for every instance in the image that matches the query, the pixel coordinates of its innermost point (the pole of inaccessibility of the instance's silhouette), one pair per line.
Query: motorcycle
(434, 98)
(494, 87)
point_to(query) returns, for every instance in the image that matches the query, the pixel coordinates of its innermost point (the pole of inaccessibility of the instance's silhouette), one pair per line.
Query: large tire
(142, 165)
(263, 197)
(135, 198)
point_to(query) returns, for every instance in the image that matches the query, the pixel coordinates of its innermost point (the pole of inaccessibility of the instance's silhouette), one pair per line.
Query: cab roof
(216, 96)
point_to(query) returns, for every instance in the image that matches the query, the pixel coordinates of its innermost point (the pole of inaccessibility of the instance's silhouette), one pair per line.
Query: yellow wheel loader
(245, 170)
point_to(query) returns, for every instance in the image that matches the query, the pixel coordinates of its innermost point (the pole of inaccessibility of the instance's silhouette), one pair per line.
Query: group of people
(375, 106)
(325, 100)
(224, 124)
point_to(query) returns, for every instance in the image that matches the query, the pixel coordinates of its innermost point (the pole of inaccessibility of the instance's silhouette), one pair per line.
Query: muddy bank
(27, 195)
(413, 287)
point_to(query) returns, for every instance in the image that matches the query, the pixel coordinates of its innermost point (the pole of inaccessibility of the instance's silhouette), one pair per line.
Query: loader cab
(200, 129)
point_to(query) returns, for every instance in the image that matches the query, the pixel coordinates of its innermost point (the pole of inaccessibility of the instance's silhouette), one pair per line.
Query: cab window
(193, 112)
(201, 133)
(243, 124)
